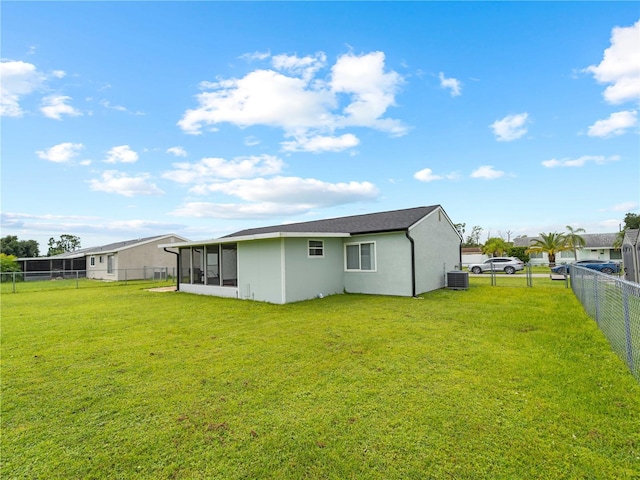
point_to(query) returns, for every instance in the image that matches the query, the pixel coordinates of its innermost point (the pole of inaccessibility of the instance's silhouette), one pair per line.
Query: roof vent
(457, 280)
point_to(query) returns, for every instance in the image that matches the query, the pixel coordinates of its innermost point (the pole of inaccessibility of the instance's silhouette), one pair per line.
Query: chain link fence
(13, 282)
(614, 304)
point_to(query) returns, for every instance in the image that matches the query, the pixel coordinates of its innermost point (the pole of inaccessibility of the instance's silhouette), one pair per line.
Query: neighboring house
(598, 246)
(472, 255)
(128, 260)
(402, 252)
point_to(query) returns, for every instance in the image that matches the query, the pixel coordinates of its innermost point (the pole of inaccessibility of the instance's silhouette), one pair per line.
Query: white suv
(509, 265)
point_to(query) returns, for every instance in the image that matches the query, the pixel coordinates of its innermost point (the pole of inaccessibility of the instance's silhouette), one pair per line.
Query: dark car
(604, 266)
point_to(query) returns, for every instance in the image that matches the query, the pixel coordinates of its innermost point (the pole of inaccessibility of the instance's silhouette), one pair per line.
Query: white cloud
(256, 56)
(251, 141)
(581, 161)
(263, 97)
(121, 154)
(17, 79)
(214, 169)
(510, 127)
(237, 210)
(620, 66)
(54, 106)
(426, 175)
(625, 207)
(295, 190)
(278, 196)
(118, 108)
(298, 100)
(306, 67)
(321, 143)
(177, 151)
(372, 90)
(113, 181)
(58, 74)
(617, 124)
(107, 104)
(61, 153)
(451, 83)
(487, 172)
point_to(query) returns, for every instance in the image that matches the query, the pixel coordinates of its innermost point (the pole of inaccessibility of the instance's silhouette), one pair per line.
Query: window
(92, 261)
(229, 265)
(198, 265)
(185, 265)
(360, 256)
(213, 265)
(316, 248)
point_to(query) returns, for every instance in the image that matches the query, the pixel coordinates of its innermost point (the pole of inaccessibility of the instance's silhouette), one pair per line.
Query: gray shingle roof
(356, 224)
(592, 240)
(111, 247)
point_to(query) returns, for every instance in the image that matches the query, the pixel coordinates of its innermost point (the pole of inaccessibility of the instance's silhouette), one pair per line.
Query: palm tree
(574, 240)
(495, 247)
(549, 243)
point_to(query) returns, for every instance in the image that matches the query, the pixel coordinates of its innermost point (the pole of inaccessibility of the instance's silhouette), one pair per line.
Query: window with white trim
(360, 257)
(92, 261)
(316, 248)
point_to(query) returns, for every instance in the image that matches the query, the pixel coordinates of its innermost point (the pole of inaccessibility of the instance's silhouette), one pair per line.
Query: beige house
(128, 260)
(133, 259)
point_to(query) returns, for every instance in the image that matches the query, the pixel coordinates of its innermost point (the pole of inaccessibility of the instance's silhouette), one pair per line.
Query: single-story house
(401, 252)
(598, 246)
(128, 260)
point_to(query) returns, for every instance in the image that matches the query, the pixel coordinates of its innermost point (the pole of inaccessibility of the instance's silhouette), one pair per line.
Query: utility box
(457, 280)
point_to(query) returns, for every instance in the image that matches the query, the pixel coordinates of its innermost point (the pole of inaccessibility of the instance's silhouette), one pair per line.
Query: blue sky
(124, 120)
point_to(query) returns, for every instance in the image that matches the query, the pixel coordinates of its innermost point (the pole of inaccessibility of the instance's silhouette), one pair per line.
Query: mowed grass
(489, 382)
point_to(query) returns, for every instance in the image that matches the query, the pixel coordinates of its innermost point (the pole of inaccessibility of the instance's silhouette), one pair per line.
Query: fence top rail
(621, 282)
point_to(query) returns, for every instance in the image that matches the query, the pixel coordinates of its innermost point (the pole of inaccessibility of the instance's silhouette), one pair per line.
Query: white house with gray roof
(125, 260)
(598, 246)
(401, 252)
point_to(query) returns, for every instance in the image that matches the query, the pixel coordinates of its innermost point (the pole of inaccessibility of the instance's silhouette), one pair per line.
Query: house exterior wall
(437, 250)
(307, 277)
(226, 292)
(260, 270)
(129, 263)
(392, 275)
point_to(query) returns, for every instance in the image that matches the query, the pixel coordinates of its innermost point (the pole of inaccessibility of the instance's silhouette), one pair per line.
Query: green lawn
(490, 382)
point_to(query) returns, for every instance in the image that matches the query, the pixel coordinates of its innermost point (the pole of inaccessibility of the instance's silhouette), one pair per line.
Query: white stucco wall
(392, 275)
(437, 250)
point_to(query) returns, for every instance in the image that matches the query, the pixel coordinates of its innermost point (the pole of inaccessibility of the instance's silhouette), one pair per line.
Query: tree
(10, 245)
(519, 252)
(574, 240)
(473, 240)
(8, 263)
(67, 243)
(549, 243)
(631, 220)
(495, 247)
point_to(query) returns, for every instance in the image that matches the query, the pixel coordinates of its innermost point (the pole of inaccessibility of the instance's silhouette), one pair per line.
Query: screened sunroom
(214, 265)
